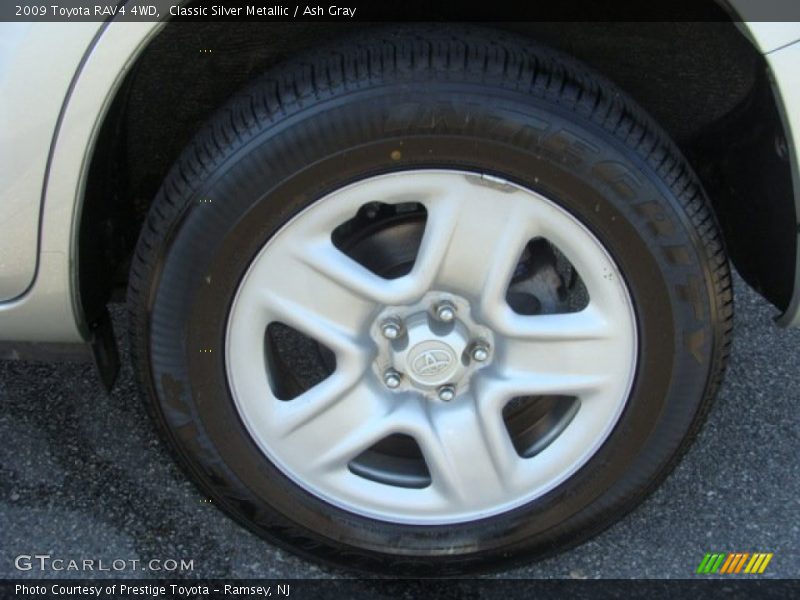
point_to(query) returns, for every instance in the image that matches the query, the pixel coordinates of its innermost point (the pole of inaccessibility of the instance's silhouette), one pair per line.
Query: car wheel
(430, 301)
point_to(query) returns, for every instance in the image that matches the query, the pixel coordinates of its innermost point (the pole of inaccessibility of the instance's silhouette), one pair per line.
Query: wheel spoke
(473, 241)
(327, 262)
(468, 453)
(569, 354)
(292, 290)
(331, 428)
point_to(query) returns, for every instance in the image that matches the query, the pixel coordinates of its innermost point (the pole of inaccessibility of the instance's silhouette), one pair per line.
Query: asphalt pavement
(83, 475)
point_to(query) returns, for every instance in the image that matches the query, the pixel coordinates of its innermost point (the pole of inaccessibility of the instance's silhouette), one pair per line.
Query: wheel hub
(428, 347)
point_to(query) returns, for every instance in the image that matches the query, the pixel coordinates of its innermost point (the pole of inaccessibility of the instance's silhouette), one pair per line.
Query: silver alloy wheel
(476, 229)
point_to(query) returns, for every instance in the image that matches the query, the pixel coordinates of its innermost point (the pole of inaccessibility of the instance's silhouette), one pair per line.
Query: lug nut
(392, 379)
(445, 311)
(447, 393)
(480, 352)
(391, 329)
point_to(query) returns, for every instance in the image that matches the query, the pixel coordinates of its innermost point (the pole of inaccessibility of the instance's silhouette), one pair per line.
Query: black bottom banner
(430, 589)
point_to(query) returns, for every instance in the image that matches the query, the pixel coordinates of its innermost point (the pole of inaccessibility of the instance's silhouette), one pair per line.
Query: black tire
(461, 98)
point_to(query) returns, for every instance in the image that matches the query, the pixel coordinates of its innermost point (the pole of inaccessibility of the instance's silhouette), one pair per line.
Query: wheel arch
(193, 68)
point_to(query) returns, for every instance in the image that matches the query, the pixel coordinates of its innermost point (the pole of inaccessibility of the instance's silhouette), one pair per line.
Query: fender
(28, 119)
(783, 64)
(51, 301)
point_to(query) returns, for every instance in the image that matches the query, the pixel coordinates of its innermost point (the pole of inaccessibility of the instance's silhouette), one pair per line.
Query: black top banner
(403, 10)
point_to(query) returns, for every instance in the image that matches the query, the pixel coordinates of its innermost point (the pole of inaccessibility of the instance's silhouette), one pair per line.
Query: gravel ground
(83, 475)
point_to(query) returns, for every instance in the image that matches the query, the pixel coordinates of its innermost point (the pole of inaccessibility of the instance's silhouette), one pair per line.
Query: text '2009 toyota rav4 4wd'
(407, 298)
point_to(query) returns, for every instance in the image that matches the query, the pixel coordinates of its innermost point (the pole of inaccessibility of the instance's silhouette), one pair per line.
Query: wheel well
(703, 82)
